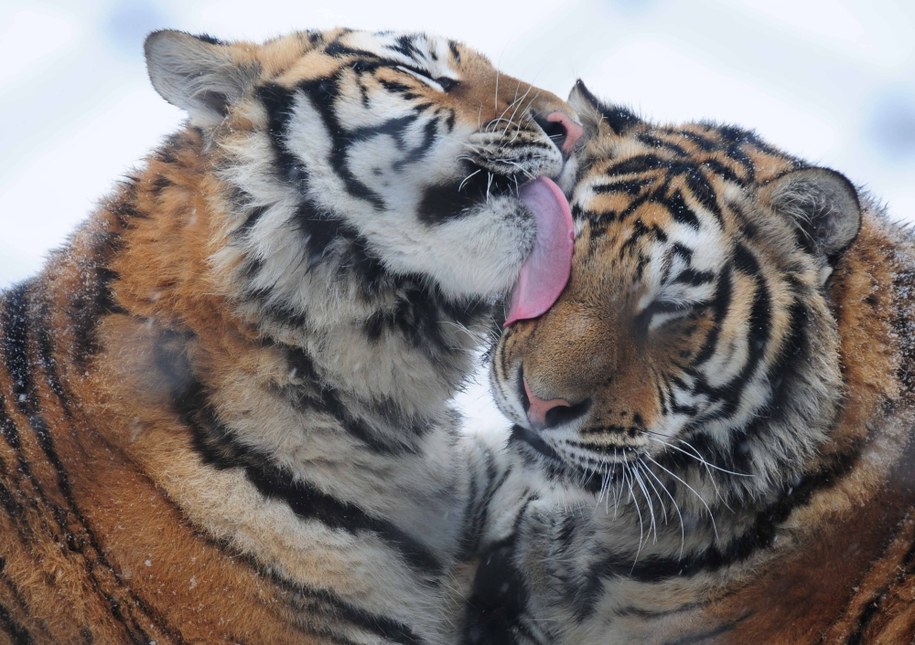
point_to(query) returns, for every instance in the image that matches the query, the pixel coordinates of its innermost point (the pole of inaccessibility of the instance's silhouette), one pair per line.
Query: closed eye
(440, 83)
(660, 313)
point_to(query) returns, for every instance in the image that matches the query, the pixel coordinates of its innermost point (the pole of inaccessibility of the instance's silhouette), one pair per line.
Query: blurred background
(831, 81)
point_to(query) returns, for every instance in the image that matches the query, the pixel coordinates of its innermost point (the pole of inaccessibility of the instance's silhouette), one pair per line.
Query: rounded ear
(594, 113)
(824, 206)
(197, 74)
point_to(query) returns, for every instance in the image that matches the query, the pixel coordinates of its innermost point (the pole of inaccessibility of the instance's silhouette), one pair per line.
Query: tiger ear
(823, 204)
(595, 114)
(196, 73)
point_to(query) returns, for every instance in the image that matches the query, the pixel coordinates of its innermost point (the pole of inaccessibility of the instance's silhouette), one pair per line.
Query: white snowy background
(831, 81)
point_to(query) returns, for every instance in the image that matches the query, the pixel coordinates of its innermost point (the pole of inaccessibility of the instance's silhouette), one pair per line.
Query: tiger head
(695, 339)
(363, 161)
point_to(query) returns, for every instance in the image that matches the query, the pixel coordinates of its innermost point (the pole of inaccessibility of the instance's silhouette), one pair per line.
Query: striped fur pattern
(224, 403)
(734, 353)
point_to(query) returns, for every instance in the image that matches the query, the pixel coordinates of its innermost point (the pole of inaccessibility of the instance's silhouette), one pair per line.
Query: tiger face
(695, 332)
(394, 154)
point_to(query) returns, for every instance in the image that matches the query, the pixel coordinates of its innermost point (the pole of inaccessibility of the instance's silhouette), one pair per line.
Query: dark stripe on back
(94, 299)
(16, 324)
(17, 632)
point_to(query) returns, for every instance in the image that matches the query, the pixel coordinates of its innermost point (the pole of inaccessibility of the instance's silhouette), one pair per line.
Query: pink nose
(537, 408)
(573, 131)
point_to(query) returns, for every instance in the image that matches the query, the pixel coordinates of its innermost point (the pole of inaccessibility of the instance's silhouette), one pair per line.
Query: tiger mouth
(593, 476)
(535, 441)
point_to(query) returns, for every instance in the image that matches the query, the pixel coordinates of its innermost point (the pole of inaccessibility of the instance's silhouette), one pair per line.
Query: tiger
(224, 402)
(720, 404)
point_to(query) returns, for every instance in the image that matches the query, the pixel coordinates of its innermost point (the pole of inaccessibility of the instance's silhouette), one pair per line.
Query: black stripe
(637, 164)
(13, 590)
(327, 399)
(405, 45)
(499, 599)
(450, 200)
(702, 190)
(93, 299)
(17, 632)
(16, 323)
(757, 337)
(681, 213)
(627, 186)
(251, 219)
(47, 358)
(694, 278)
(337, 49)
(217, 446)
(319, 229)
(656, 142)
(719, 305)
(9, 503)
(314, 600)
(418, 152)
(323, 94)
(724, 172)
(455, 52)
(875, 605)
(279, 102)
(386, 627)
(702, 142)
(476, 511)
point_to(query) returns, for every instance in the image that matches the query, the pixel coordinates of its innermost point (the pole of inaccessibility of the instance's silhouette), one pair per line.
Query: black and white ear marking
(197, 74)
(824, 205)
(593, 112)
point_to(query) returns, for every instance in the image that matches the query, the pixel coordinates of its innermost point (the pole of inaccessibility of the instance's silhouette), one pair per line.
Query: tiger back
(723, 398)
(223, 403)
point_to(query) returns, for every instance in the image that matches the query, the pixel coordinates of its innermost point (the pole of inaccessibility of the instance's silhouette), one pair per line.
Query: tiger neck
(391, 353)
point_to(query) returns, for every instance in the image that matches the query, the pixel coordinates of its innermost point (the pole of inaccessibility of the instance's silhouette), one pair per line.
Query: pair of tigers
(224, 403)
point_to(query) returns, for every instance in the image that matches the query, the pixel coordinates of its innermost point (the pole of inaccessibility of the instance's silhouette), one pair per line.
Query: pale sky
(830, 81)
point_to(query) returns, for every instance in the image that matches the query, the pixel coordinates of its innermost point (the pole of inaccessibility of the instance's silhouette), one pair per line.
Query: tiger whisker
(641, 465)
(693, 490)
(638, 513)
(695, 455)
(675, 505)
(651, 521)
(468, 178)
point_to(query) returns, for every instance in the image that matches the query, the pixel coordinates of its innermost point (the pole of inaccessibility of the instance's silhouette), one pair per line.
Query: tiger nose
(563, 131)
(553, 412)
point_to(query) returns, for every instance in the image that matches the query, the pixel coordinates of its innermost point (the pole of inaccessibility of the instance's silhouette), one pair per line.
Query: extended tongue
(545, 273)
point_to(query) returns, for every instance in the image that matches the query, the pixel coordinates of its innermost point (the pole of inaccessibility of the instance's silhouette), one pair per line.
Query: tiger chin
(224, 402)
(719, 407)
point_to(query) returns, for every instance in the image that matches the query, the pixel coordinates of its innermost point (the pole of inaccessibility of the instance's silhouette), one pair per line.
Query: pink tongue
(545, 273)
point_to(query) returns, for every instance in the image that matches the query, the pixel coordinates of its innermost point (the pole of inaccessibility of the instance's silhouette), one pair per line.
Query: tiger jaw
(559, 442)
